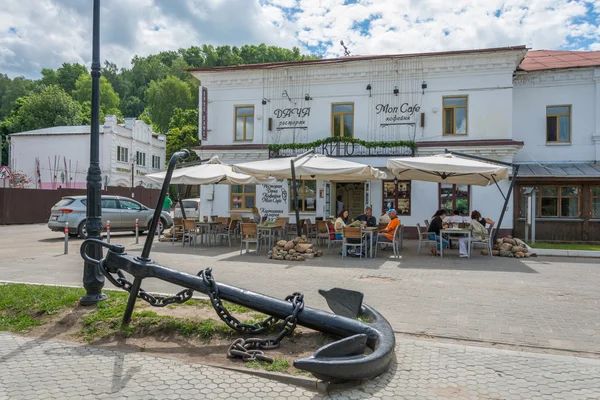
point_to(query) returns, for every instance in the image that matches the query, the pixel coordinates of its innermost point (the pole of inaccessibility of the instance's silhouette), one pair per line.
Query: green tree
(164, 96)
(50, 107)
(66, 76)
(183, 132)
(11, 90)
(108, 98)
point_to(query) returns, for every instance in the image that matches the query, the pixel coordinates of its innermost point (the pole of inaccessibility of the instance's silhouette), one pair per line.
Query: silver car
(120, 211)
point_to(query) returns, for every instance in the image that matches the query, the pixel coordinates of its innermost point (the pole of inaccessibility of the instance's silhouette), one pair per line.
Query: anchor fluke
(350, 346)
(344, 302)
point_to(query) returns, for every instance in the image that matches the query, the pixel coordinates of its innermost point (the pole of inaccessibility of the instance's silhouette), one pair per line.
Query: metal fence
(32, 206)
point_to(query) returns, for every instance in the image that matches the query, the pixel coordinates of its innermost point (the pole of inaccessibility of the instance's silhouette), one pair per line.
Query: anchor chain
(252, 348)
(156, 301)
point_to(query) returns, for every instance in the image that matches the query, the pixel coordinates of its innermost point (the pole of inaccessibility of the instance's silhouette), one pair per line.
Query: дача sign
(292, 118)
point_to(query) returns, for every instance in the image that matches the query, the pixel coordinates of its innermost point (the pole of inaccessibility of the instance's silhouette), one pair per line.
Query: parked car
(120, 211)
(191, 206)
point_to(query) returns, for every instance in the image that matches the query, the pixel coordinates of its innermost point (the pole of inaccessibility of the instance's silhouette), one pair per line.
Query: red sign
(204, 113)
(5, 173)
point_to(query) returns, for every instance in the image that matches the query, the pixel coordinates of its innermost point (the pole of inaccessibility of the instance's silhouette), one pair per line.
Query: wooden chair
(223, 230)
(423, 238)
(352, 233)
(282, 223)
(177, 227)
(189, 232)
(322, 232)
(247, 220)
(310, 229)
(249, 235)
(238, 220)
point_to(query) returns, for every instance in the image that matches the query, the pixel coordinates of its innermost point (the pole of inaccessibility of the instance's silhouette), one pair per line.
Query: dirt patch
(174, 332)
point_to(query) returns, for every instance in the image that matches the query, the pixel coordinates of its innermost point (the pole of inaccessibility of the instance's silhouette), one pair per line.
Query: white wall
(532, 95)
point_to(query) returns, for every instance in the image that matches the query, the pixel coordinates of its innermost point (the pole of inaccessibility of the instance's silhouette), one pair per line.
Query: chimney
(129, 123)
(110, 123)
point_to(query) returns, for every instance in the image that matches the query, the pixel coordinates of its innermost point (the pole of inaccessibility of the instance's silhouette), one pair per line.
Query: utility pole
(93, 280)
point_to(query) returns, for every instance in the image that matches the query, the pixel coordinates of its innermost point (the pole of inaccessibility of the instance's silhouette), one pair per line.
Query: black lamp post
(93, 280)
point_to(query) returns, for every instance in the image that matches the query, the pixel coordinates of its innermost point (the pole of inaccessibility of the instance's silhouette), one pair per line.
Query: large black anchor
(339, 361)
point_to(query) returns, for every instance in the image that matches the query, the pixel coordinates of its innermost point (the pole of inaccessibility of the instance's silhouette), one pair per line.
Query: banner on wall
(272, 200)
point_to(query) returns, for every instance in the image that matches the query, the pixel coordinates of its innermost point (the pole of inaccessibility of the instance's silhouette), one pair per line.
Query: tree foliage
(183, 132)
(109, 100)
(164, 96)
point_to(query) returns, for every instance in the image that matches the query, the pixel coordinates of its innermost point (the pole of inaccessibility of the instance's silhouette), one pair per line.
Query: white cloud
(46, 33)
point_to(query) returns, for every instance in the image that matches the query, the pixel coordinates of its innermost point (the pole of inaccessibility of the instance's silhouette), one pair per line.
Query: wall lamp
(396, 91)
(424, 86)
(307, 97)
(265, 101)
(369, 89)
(395, 181)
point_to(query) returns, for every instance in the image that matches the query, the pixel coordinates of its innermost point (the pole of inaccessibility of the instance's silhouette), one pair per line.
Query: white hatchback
(191, 207)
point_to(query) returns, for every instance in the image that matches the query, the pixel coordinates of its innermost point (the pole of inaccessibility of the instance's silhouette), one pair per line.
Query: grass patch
(566, 246)
(278, 365)
(363, 319)
(24, 306)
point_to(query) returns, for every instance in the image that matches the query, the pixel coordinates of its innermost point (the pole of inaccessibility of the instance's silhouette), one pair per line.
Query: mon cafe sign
(404, 112)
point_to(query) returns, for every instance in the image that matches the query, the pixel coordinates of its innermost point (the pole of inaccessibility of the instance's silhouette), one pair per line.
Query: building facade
(60, 156)
(372, 108)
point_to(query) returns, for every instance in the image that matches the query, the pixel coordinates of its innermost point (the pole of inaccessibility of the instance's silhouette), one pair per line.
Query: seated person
(255, 215)
(387, 235)
(478, 233)
(456, 218)
(437, 224)
(483, 221)
(368, 218)
(385, 218)
(340, 223)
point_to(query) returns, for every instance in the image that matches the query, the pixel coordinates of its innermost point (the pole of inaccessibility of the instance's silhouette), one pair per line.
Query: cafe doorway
(355, 196)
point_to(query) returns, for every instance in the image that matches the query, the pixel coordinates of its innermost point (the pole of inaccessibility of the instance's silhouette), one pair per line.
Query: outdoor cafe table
(210, 224)
(370, 232)
(455, 232)
(269, 229)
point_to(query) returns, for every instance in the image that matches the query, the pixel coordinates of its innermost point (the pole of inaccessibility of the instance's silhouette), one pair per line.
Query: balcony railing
(343, 147)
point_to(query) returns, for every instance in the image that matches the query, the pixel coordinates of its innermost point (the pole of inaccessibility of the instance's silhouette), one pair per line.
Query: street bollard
(107, 231)
(67, 238)
(137, 231)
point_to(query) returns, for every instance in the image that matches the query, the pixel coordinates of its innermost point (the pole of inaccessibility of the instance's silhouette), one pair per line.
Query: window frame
(155, 162)
(120, 151)
(140, 155)
(121, 201)
(538, 200)
(397, 198)
(341, 114)
(569, 106)
(243, 195)
(302, 195)
(235, 116)
(592, 197)
(468, 214)
(466, 107)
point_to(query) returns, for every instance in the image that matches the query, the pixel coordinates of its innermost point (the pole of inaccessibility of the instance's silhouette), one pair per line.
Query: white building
(59, 156)
(477, 102)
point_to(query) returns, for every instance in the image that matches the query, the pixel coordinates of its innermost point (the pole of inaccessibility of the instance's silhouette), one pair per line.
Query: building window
(596, 202)
(342, 120)
(140, 158)
(122, 154)
(455, 115)
(559, 201)
(455, 198)
(558, 124)
(244, 123)
(307, 195)
(400, 201)
(243, 197)
(156, 162)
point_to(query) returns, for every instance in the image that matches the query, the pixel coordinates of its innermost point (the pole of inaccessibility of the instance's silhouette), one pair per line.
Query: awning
(213, 171)
(315, 166)
(564, 170)
(447, 168)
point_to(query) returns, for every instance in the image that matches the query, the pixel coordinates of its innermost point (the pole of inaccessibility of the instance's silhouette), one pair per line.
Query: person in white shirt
(456, 218)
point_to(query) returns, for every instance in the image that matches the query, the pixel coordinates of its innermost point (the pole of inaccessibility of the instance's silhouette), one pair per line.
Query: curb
(567, 253)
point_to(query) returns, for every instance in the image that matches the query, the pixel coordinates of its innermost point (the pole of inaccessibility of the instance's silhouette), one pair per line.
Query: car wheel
(82, 230)
(161, 225)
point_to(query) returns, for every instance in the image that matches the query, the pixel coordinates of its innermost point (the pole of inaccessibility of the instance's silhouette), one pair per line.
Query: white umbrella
(213, 171)
(447, 168)
(314, 166)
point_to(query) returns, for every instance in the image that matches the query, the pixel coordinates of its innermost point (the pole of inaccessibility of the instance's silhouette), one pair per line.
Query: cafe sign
(292, 118)
(397, 115)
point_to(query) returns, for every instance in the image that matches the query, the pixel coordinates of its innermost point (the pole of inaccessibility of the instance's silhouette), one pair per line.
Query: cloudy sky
(45, 33)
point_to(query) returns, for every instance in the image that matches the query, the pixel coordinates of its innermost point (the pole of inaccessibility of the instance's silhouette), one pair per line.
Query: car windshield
(64, 202)
(189, 204)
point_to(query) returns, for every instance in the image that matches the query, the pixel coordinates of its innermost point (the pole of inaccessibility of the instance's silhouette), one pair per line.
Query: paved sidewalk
(33, 369)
